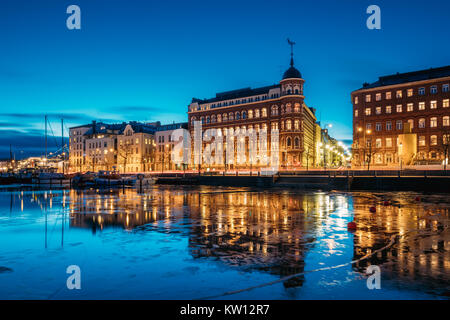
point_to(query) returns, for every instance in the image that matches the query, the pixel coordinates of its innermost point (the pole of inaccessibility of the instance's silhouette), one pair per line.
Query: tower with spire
(292, 82)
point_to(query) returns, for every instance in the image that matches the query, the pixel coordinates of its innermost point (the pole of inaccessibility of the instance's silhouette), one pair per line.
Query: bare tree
(125, 150)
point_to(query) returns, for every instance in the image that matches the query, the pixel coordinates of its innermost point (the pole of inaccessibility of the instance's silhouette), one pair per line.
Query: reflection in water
(273, 232)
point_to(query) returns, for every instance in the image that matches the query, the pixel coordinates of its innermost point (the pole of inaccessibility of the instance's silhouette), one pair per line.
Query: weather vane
(291, 43)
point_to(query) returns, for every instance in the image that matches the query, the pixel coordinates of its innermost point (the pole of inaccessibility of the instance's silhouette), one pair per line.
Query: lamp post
(369, 156)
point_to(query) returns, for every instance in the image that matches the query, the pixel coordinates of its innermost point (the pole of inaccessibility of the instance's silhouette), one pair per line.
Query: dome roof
(292, 73)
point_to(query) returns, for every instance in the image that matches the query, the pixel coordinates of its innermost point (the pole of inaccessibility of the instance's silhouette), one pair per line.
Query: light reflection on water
(184, 243)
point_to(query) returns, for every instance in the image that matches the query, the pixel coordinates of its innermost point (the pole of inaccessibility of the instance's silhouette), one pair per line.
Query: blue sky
(145, 60)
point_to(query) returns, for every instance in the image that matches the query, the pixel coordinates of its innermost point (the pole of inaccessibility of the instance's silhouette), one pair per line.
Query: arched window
(422, 123)
(297, 124)
(213, 118)
(264, 112)
(230, 116)
(288, 142)
(288, 108)
(446, 121)
(219, 118)
(225, 117)
(202, 119)
(274, 110)
(244, 115)
(297, 107)
(208, 119)
(250, 114)
(238, 115)
(296, 142)
(257, 113)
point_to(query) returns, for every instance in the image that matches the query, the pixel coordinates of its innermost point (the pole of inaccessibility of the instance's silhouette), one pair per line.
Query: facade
(136, 148)
(280, 106)
(402, 119)
(124, 147)
(165, 145)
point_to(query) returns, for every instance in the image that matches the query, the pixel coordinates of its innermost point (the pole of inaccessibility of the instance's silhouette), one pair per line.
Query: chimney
(94, 126)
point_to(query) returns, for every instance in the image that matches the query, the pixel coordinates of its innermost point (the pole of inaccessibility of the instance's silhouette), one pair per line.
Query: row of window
(421, 141)
(250, 114)
(409, 107)
(421, 123)
(399, 93)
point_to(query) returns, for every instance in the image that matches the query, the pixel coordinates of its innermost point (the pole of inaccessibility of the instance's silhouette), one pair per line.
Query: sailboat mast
(62, 145)
(46, 137)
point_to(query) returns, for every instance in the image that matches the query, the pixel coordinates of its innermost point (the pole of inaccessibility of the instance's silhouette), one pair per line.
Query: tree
(125, 150)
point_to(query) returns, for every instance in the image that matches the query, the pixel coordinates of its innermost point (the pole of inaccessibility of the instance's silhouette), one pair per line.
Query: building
(277, 107)
(124, 147)
(165, 145)
(402, 119)
(136, 148)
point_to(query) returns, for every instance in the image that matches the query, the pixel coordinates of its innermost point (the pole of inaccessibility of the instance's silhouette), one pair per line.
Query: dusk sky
(146, 60)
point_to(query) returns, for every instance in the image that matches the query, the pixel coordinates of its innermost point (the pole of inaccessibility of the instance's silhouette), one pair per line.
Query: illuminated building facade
(402, 119)
(278, 107)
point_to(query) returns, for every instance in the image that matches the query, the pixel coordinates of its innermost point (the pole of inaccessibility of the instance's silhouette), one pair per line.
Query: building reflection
(421, 256)
(251, 230)
(266, 231)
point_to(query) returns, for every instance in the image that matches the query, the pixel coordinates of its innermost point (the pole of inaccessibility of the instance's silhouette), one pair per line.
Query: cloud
(25, 144)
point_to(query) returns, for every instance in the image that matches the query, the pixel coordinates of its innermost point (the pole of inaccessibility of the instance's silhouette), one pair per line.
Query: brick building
(402, 119)
(280, 106)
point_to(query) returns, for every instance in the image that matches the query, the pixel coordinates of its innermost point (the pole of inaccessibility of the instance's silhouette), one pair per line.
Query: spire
(291, 43)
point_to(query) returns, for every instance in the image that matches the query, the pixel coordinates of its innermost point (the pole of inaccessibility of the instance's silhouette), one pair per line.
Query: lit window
(446, 121)
(356, 113)
(388, 142)
(356, 100)
(410, 92)
(421, 105)
(264, 112)
(411, 123)
(422, 141)
(445, 103)
(378, 110)
(410, 107)
(288, 125)
(378, 96)
(388, 109)
(433, 122)
(399, 108)
(368, 97)
(422, 123)
(378, 143)
(433, 104)
(433, 140)
(368, 111)
(421, 91)
(433, 89)
(398, 94)
(296, 125)
(388, 95)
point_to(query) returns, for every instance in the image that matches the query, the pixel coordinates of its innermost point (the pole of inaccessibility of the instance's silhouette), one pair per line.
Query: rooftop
(399, 78)
(238, 93)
